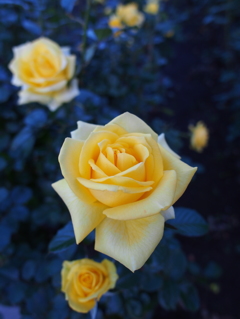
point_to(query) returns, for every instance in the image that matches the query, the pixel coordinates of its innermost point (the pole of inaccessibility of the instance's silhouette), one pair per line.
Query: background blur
(180, 67)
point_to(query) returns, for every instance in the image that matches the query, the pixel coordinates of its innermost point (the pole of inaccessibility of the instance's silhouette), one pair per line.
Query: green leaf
(103, 33)
(189, 297)
(128, 280)
(166, 225)
(188, 222)
(170, 260)
(151, 282)
(169, 295)
(90, 53)
(63, 239)
(134, 308)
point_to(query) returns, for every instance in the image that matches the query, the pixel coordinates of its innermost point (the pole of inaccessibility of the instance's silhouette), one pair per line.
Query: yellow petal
(85, 217)
(116, 198)
(154, 165)
(133, 124)
(112, 272)
(111, 128)
(83, 131)
(125, 161)
(159, 199)
(184, 172)
(71, 66)
(113, 194)
(96, 171)
(114, 184)
(115, 22)
(106, 165)
(90, 150)
(69, 163)
(136, 172)
(73, 301)
(130, 242)
(118, 181)
(141, 152)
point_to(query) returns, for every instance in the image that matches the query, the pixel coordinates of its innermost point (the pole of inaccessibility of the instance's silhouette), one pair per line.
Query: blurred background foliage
(180, 67)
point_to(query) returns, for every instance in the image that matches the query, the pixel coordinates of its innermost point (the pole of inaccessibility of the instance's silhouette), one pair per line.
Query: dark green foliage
(188, 222)
(132, 73)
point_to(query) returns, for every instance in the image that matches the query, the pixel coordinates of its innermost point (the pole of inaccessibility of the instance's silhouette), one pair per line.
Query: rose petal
(83, 131)
(73, 300)
(64, 96)
(66, 50)
(159, 199)
(184, 172)
(69, 159)
(106, 166)
(136, 172)
(71, 66)
(168, 213)
(50, 88)
(120, 181)
(153, 164)
(162, 141)
(112, 272)
(130, 242)
(132, 124)
(85, 217)
(90, 150)
(111, 128)
(96, 171)
(114, 195)
(116, 183)
(125, 161)
(26, 96)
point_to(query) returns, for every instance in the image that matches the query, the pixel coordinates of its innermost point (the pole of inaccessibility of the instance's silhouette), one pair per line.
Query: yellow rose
(84, 281)
(199, 136)
(126, 15)
(43, 70)
(152, 7)
(169, 34)
(115, 22)
(121, 179)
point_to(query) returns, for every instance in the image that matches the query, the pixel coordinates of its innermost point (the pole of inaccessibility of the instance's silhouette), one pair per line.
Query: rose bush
(84, 281)
(122, 179)
(43, 70)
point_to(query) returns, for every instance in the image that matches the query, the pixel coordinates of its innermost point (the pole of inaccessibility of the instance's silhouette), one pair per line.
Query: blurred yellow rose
(84, 281)
(152, 7)
(126, 15)
(169, 34)
(43, 70)
(122, 179)
(115, 22)
(199, 136)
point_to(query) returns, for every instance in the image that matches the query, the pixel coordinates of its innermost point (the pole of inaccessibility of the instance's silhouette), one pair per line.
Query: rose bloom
(115, 22)
(122, 179)
(84, 281)
(126, 15)
(169, 34)
(199, 136)
(152, 7)
(43, 70)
